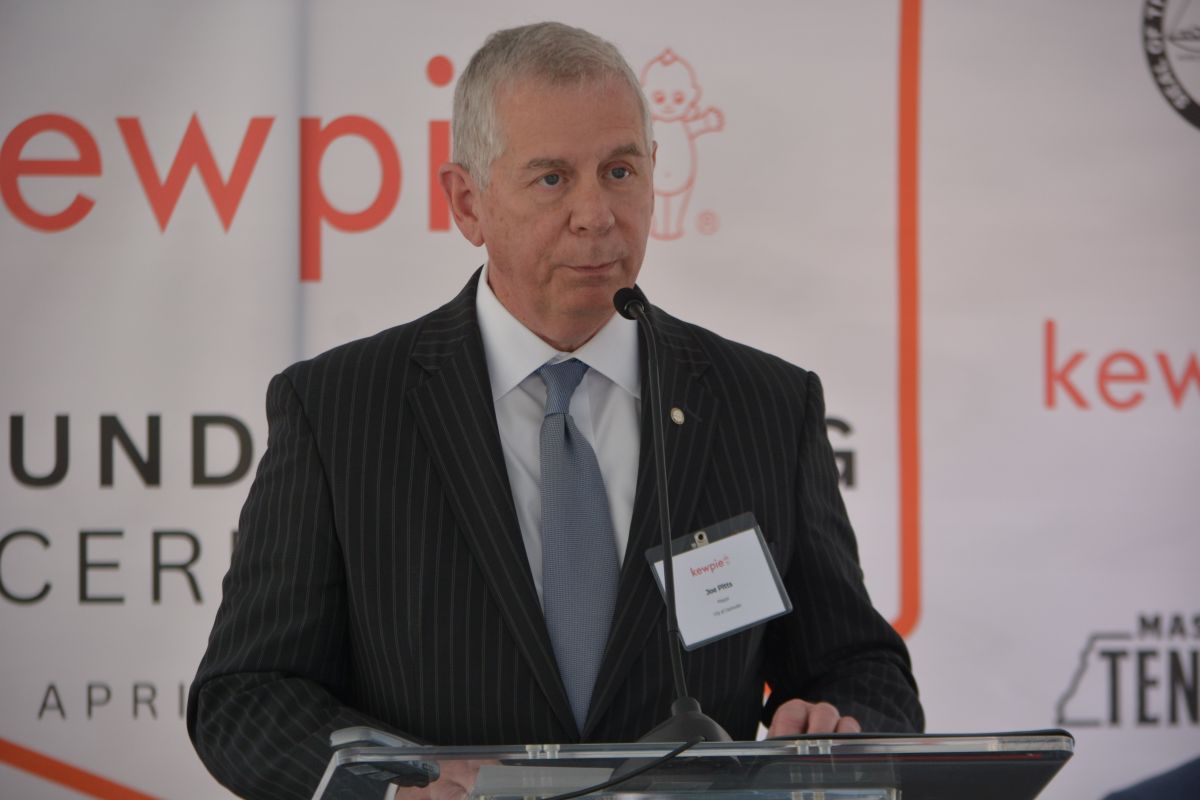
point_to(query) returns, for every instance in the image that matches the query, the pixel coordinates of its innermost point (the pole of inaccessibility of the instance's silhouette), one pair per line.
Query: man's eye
(551, 180)
(620, 173)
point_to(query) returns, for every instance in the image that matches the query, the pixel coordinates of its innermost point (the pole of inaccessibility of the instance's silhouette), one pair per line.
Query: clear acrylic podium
(1001, 766)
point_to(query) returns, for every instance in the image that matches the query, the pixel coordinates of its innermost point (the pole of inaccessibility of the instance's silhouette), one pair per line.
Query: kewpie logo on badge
(711, 566)
(670, 86)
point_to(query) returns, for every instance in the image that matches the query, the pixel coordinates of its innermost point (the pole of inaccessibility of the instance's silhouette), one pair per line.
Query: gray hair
(548, 51)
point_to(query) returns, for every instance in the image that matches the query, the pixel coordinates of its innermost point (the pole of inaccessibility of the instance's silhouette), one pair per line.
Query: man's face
(567, 211)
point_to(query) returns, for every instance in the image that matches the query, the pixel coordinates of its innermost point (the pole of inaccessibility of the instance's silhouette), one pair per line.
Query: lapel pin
(677, 415)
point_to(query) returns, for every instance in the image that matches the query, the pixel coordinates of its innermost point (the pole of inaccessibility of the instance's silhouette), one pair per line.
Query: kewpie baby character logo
(670, 85)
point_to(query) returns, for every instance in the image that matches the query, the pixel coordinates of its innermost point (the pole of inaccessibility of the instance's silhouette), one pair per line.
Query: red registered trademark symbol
(708, 223)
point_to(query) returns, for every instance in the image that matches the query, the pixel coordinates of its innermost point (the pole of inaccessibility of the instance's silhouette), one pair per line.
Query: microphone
(630, 301)
(687, 721)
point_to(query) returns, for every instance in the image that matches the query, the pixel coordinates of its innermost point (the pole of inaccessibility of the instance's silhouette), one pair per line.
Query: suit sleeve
(271, 686)
(835, 647)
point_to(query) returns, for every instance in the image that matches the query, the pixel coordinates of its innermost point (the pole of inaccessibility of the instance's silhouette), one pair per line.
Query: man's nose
(591, 211)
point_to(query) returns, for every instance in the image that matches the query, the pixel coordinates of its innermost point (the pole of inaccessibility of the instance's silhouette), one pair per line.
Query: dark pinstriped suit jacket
(380, 576)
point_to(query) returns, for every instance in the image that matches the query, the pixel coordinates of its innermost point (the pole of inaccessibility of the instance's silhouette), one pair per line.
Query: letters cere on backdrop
(725, 581)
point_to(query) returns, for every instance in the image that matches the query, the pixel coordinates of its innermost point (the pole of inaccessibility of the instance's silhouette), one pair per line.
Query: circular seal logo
(1171, 40)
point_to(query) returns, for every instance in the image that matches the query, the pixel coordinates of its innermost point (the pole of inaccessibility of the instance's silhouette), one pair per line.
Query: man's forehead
(526, 93)
(538, 85)
(539, 129)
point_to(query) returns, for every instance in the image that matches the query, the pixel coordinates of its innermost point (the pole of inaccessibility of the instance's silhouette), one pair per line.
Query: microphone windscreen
(626, 298)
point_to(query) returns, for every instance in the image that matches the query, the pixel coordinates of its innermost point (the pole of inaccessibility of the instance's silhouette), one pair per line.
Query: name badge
(725, 581)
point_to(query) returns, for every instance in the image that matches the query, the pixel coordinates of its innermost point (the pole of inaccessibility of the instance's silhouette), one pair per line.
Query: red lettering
(439, 153)
(1108, 374)
(1189, 374)
(12, 167)
(315, 208)
(194, 153)
(440, 71)
(1061, 375)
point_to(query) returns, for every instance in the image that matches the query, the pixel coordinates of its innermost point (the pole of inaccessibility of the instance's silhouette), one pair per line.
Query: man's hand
(799, 716)
(456, 782)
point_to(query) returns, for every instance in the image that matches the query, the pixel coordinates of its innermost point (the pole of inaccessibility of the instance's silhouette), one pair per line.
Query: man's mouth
(596, 267)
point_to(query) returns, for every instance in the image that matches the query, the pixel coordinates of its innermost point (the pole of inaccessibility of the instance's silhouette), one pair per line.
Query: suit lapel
(639, 602)
(458, 420)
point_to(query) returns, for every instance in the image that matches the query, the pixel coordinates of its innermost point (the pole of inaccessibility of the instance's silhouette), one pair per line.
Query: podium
(994, 766)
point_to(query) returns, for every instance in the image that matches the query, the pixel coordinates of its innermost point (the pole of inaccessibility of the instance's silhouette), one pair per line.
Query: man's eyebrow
(546, 163)
(630, 149)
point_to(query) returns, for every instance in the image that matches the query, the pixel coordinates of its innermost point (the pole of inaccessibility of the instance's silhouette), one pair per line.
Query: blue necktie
(579, 555)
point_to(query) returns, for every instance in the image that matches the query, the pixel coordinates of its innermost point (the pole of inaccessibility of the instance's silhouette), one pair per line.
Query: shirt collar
(513, 351)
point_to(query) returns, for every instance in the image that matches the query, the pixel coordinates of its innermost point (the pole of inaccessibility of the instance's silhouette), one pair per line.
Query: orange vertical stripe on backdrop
(909, 409)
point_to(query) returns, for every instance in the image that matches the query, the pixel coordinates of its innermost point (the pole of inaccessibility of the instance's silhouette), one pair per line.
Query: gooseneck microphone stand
(687, 722)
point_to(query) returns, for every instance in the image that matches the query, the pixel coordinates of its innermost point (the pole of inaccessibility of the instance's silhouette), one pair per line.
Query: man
(399, 562)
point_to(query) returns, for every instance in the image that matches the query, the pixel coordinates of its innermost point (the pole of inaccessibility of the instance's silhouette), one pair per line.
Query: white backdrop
(1055, 550)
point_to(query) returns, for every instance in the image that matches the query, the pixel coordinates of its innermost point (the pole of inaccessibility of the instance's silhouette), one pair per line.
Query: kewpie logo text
(669, 82)
(711, 566)
(163, 183)
(1122, 379)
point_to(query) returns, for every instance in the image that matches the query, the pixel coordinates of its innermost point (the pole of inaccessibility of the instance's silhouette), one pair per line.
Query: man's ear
(463, 195)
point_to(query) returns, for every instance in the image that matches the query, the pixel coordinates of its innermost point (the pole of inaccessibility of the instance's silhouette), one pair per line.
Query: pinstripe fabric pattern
(380, 577)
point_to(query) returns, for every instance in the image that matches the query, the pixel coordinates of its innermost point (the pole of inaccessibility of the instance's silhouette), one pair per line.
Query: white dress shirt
(606, 408)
